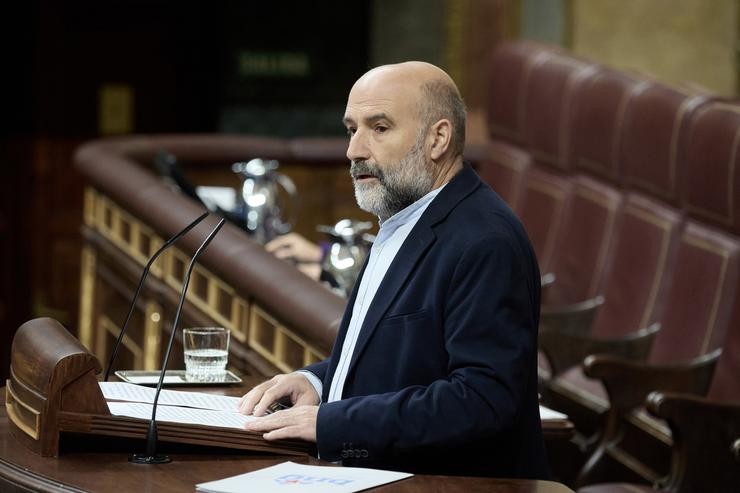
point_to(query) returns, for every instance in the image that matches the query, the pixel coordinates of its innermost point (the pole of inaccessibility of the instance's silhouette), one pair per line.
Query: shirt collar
(404, 216)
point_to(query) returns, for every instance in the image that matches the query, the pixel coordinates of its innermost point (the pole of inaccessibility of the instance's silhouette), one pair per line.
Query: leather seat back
(640, 265)
(543, 207)
(550, 92)
(700, 297)
(655, 121)
(582, 247)
(713, 165)
(504, 168)
(597, 122)
(511, 65)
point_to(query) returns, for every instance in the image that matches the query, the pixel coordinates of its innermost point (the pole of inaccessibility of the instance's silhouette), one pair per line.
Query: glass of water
(206, 352)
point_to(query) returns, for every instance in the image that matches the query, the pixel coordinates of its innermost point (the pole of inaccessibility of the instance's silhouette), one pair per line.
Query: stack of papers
(198, 408)
(290, 476)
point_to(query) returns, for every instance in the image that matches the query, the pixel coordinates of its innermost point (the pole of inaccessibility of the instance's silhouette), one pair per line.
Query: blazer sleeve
(489, 327)
(319, 368)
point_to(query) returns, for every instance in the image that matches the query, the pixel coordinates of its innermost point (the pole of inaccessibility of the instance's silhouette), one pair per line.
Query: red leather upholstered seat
(582, 247)
(504, 167)
(543, 207)
(550, 92)
(598, 119)
(635, 287)
(701, 295)
(700, 303)
(655, 121)
(640, 263)
(511, 65)
(713, 165)
(703, 430)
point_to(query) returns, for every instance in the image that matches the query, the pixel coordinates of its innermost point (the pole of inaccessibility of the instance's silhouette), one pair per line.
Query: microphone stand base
(149, 459)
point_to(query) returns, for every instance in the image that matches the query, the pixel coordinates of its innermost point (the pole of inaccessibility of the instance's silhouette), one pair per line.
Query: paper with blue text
(290, 476)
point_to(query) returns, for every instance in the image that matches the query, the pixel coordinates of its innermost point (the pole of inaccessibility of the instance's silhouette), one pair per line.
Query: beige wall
(675, 40)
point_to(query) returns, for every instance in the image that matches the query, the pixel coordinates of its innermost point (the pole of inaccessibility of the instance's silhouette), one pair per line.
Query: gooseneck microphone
(144, 274)
(150, 456)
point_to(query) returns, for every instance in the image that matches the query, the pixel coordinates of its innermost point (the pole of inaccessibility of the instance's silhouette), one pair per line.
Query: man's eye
(351, 131)
(381, 129)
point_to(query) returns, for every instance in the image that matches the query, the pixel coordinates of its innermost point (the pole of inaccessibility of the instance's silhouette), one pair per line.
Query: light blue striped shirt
(392, 234)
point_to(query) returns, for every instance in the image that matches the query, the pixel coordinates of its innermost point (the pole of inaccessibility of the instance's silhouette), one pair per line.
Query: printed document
(135, 401)
(128, 392)
(290, 476)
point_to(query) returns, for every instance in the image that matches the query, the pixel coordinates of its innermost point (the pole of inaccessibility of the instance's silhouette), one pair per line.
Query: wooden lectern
(53, 389)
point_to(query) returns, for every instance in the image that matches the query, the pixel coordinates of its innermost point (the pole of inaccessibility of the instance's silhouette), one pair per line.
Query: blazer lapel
(417, 243)
(398, 272)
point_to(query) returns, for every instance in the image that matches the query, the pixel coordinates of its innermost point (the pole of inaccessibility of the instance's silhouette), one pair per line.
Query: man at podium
(434, 365)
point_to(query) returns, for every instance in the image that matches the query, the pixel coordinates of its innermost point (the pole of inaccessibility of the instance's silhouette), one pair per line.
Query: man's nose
(357, 149)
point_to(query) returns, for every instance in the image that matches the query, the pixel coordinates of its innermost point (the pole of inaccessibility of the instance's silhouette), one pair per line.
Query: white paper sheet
(290, 476)
(122, 391)
(223, 197)
(176, 414)
(547, 413)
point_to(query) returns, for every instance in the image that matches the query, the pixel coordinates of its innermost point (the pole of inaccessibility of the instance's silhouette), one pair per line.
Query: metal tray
(172, 378)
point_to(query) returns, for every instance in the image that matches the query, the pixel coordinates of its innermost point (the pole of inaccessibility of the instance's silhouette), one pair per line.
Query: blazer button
(358, 453)
(364, 453)
(344, 454)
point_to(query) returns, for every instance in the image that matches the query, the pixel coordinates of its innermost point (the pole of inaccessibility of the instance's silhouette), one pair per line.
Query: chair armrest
(628, 383)
(706, 441)
(565, 350)
(575, 318)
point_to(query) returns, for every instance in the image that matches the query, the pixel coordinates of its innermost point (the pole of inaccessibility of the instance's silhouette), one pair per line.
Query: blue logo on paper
(301, 479)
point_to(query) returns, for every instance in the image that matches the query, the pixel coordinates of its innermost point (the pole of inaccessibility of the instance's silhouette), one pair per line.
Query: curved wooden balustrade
(280, 319)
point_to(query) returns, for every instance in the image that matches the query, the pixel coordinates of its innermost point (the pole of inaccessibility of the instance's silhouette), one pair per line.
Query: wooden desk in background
(100, 464)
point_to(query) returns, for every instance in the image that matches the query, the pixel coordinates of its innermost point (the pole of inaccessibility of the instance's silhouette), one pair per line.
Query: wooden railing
(280, 320)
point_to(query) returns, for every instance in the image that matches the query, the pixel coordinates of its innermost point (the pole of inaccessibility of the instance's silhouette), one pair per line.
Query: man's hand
(294, 386)
(296, 422)
(296, 247)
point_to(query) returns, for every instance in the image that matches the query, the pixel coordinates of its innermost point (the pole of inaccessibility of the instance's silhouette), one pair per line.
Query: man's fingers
(266, 423)
(283, 433)
(254, 396)
(291, 423)
(271, 395)
(251, 398)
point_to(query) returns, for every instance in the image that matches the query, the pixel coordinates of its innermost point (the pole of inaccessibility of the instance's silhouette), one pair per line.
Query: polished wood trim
(23, 479)
(119, 230)
(89, 464)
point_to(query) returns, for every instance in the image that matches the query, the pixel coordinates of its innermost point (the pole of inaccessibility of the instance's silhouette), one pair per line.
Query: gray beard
(397, 187)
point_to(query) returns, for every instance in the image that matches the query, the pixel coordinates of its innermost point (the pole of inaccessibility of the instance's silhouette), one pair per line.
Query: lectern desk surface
(99, 464)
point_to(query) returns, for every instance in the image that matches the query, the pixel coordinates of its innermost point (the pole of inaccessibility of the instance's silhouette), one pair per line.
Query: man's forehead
(389, 95)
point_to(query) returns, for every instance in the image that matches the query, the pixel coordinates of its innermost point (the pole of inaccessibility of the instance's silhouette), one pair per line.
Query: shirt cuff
(314, 381)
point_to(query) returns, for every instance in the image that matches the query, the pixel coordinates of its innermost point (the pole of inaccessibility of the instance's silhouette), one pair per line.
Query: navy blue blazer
(443, 379)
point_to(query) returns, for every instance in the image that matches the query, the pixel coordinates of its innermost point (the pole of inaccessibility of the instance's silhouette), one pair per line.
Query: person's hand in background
(293, 247)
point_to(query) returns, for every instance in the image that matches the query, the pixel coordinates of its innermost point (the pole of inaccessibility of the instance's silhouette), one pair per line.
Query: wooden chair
(682, 358)
(632, 296)
(627, 320)
(705, 431)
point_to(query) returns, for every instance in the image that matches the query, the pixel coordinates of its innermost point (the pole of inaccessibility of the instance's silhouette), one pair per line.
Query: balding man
(434, 366)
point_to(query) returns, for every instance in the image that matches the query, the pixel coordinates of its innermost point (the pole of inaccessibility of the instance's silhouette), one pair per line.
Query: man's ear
(441, 135)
